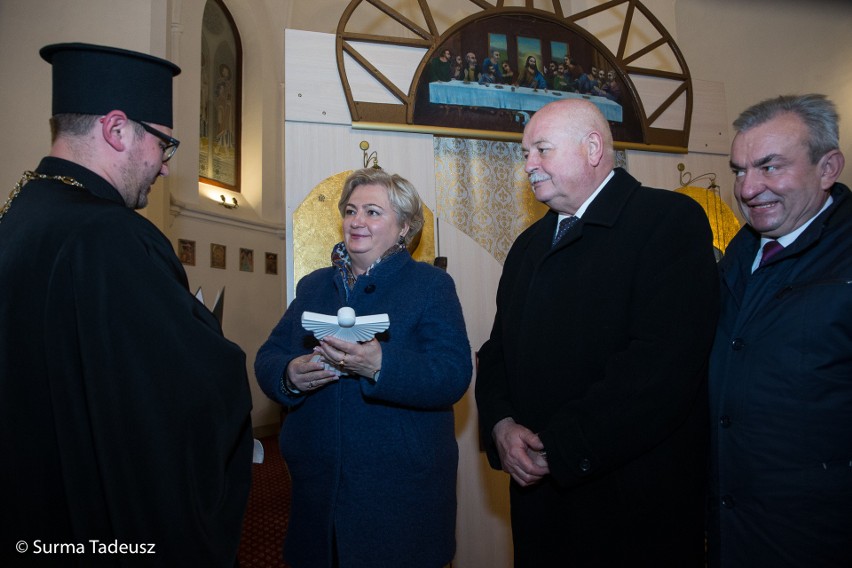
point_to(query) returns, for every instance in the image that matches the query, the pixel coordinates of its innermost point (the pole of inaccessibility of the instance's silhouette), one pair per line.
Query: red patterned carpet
(268, 511)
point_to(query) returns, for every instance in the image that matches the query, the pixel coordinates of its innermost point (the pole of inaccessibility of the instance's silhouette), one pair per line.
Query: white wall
(28, 25)
(764, 48)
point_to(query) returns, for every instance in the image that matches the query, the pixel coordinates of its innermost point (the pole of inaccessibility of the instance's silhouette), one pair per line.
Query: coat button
(727, 501)
(737, 344)
(370, 288)
(585, 465)
(725, 421)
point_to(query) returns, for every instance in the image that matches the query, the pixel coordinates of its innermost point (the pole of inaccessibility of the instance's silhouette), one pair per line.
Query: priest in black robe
(124, 411)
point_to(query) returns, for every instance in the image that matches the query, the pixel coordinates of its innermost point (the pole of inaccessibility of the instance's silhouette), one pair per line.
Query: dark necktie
(564, 225)
(770, 249)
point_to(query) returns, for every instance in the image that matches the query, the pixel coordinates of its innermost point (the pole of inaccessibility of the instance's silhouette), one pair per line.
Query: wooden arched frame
(663, 115)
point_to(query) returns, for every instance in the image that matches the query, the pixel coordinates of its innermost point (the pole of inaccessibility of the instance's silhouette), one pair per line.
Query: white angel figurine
(345, 326)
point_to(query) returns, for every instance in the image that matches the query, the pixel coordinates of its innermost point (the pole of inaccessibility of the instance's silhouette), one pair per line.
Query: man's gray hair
(817, 112)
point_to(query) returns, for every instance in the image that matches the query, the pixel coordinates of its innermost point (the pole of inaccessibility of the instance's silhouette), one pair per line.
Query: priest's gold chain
(30, 175)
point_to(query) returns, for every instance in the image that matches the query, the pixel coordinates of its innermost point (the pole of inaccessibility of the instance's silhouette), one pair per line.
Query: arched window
(221, 96)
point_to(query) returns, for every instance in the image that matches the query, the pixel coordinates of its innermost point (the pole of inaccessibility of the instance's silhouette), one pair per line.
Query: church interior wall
(738, 53)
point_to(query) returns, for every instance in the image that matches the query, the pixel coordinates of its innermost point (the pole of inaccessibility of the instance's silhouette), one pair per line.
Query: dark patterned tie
(564, 225)
(770, 249)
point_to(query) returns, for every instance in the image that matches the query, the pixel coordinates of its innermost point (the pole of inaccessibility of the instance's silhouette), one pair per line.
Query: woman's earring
(401, 240)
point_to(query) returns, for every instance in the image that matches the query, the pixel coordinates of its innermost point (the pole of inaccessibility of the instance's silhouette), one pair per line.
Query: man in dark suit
(781, 366)
(592, 387)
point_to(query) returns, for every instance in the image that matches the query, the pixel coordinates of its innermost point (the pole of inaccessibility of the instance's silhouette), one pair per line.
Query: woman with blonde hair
(369, 438)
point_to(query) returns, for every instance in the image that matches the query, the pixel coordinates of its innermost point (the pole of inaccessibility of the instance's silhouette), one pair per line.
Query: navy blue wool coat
(374, 464)
(781, 400)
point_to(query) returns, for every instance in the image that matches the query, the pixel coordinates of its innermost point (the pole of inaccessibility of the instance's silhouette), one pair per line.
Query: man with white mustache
(592, 387)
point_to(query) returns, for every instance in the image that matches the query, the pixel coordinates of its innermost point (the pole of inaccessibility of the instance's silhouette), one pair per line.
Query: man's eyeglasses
(170, 144)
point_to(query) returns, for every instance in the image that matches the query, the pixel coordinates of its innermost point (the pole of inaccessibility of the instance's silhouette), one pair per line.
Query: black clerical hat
(95, 79)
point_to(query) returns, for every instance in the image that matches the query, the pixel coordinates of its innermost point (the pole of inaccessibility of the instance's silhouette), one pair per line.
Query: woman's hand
(307, 375)
(352, 358)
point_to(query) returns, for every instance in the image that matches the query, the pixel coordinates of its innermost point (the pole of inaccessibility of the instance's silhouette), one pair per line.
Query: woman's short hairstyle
(817, 112)
(403, 197)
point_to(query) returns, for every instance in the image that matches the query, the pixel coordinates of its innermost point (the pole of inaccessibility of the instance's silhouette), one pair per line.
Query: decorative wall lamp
(723, 222)
(687, 179)
(372, 157)
(233, 205)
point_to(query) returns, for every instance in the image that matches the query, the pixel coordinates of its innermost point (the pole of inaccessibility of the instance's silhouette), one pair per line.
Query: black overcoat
(600, 346)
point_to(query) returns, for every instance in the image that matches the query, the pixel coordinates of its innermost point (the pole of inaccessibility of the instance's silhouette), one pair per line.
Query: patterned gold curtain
(482, 190)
